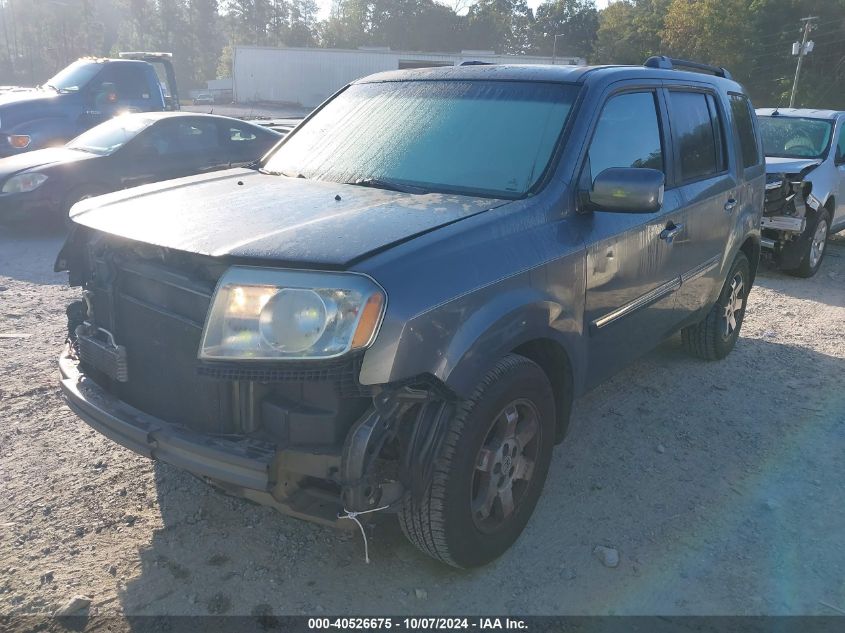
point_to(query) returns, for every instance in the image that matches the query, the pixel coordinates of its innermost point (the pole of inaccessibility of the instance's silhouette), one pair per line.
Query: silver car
(805, 186)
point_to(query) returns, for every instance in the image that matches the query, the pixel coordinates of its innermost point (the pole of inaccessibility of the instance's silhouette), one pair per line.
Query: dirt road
(720, 484)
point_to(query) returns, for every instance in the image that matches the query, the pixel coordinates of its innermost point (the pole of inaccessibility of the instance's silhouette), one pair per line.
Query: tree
(629, 31)
(504, 26)
(712, 31)
(575, 20)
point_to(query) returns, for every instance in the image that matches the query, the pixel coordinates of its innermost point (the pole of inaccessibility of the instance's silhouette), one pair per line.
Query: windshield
(110, 136)
(795, 137)
(74, 77)
(486, 138)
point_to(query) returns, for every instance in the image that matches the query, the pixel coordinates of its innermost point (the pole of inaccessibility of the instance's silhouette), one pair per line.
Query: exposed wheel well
(554, 361)
(751, 248)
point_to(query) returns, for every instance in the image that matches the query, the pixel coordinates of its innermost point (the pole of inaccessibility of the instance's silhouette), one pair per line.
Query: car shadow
(827, 286)
(27, 253)
(718, 484)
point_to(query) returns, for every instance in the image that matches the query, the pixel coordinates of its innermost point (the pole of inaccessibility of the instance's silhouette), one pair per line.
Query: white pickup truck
(805, 185)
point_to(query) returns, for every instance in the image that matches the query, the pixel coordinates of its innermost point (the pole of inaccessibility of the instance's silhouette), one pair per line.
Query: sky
(326, 5)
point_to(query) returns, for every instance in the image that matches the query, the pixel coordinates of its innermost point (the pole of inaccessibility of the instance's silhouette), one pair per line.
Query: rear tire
(490, 470)
(714, 337)
(814, 253)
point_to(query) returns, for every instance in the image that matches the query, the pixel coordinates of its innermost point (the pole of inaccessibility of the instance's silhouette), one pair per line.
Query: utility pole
(554, 48)
(804, 48)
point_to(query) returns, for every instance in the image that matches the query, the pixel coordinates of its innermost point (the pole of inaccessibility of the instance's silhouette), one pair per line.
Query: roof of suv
(808, 113)
(541, 72)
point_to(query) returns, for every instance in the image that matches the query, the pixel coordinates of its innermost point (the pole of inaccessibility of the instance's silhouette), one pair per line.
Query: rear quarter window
(745, 131)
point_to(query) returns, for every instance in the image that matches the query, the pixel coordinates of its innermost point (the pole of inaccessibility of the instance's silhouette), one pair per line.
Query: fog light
(19, 141)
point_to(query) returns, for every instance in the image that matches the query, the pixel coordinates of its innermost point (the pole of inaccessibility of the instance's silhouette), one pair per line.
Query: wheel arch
(510, 320)
(94, 188)
(554, 360)
(751, 248)
(830, 205)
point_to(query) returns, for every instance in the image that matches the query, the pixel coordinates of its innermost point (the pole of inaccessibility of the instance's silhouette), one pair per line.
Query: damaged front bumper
(315, 483)
(784, 225)
(239, 465)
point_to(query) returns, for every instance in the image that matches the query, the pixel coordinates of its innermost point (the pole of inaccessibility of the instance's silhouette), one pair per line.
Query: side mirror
(627, 190)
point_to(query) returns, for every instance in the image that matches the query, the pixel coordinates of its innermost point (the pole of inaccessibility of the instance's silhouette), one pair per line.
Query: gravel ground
(720, 485)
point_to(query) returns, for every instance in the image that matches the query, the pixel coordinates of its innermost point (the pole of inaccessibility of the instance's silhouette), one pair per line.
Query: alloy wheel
(504, 465)
(818, 243)
(733, 307)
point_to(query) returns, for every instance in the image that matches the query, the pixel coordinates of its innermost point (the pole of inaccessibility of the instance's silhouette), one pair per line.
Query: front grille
(157, 314)
(342, 371)
(155, 302)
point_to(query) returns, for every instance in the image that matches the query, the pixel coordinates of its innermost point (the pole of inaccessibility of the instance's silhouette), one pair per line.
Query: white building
(307, 76)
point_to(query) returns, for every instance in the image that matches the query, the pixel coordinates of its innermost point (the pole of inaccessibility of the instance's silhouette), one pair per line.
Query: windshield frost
(482, 137)
(794, 137)
(110, 136)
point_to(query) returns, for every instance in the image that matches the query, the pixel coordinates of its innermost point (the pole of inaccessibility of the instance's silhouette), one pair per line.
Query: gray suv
(395, 309)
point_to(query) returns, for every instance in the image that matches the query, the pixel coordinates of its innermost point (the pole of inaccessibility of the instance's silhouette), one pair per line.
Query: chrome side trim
(640, 302)
(701, 269)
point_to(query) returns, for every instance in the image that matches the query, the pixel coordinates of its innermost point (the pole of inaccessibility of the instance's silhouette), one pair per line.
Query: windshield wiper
(269, 172)
(79, 148)
(390, 185)
(61, 91)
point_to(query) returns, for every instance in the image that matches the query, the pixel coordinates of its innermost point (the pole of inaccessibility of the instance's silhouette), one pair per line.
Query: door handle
(671, 231)
(730, 205)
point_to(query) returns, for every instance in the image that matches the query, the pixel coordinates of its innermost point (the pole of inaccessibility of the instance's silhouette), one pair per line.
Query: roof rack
(670, 63)
(476, 63)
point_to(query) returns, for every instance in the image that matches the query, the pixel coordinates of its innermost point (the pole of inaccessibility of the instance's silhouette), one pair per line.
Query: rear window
(741, 109)
(698, 135)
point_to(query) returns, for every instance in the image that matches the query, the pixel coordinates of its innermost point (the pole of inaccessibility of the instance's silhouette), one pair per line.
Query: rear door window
(240, 134)
(697, 134)
(741, 110)
(627, 134)
(246, 142)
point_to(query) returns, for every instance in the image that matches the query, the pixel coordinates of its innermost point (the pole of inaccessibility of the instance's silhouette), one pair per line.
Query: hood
(41, 158)
(243, 213)
(776, 165)
(15, 95)
(20, 105)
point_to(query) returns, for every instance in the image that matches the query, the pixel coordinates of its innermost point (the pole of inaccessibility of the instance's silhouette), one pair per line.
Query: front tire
(815, 249)
(490, 470)
(714, 337)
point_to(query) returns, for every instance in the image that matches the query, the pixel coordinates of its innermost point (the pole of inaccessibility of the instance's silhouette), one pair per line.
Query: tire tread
(423, 523)
(702, 339)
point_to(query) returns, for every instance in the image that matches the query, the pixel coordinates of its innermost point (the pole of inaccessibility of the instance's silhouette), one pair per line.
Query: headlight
(23, 183)
(264, 313)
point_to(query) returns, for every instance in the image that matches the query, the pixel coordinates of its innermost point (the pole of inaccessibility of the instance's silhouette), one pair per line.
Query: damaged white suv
(805, 184)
